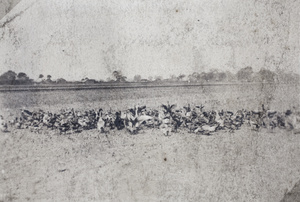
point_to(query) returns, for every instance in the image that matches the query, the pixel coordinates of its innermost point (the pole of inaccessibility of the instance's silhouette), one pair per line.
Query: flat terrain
(89, 166)
(230, 97)
(240, 166)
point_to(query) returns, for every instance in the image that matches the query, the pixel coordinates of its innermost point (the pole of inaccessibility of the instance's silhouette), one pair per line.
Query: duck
(168, 109)
(100, 122)
(46, 120)
(292, 121)
(219, 121)
(206, 129)
(132, 127)
(166, 129)
(210, 128)
(26, 114)
(146, 120)
(167, 118)
(119, 123)
(200, 107)
(83, 122)
(188, 111)
(3, 124)
(13, 122)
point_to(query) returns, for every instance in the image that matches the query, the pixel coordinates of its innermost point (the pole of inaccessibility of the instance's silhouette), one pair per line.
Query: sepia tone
(149, 100)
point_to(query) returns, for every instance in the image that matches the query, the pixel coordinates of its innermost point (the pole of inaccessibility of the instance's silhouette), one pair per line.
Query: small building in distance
(89, 81)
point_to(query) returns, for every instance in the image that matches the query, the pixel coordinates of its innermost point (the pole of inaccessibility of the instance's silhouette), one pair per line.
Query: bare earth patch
(240, 166)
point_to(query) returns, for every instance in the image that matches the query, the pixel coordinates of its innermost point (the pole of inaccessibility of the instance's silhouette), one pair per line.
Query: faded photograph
(161, 100)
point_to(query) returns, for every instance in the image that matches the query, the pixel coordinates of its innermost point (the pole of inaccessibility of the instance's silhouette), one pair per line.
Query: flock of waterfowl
(167, 118)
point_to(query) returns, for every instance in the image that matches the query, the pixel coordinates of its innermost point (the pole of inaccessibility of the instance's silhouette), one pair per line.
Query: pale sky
(75, 39)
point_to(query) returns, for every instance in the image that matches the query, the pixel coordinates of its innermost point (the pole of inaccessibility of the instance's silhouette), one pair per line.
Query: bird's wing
(142, 107)
(164, 106)
(173, 106)
(144, 118)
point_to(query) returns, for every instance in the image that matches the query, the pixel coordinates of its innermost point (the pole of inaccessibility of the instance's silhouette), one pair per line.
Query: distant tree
(173, 78)
(245, 74)
(8, 78)
(119, 76)
(84, 79)
(180, 77)
(230, 76)
(204, 76)
(282, 76)
(222, 76)
(194, 77)
(48, 80)
(137, 78)
(61, 81)
(158, 78)
(265, 75)
(22, 78)
(22, 75)
(190, 78)
(40, 78)
(150, 78)
(211, 76)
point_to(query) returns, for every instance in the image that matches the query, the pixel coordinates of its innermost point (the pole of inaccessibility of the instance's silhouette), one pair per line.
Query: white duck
(3, 124)
(292, 121)
(209, 128)
(100, 122)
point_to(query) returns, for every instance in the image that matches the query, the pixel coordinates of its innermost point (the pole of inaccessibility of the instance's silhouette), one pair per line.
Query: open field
(103, 85)
(231, 97)
(241, 166)
(89, 166)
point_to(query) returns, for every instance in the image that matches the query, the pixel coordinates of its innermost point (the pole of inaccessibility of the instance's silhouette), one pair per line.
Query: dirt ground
(89, 166)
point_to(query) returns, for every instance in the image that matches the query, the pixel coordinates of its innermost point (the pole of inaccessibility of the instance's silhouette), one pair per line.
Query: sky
(75, 39)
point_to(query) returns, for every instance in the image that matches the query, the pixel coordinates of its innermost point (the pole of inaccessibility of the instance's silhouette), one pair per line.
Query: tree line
(213, 76)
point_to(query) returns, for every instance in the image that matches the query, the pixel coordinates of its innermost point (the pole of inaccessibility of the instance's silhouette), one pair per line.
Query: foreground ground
(241, 166)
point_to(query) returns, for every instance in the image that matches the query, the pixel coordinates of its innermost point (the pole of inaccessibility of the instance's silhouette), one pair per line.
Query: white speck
(2, 171)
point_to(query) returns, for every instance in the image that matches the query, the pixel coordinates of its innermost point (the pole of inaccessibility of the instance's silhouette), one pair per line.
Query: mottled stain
(293, 195)
(149, 38)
